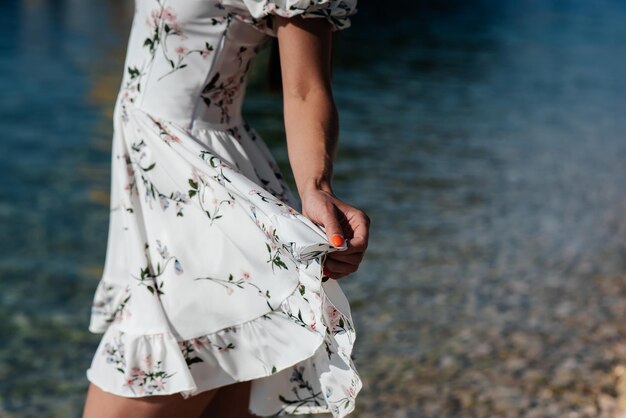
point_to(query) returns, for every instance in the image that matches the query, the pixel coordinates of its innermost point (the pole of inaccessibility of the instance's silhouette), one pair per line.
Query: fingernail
(325, 271)
(336, 240)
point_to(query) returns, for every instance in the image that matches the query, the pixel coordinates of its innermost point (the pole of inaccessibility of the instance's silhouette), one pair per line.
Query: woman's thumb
(333, 229)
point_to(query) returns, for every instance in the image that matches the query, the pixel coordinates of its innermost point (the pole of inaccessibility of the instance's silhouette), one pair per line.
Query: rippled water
(484, 139)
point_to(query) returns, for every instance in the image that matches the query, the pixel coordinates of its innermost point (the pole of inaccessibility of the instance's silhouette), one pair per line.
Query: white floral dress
(211, 275)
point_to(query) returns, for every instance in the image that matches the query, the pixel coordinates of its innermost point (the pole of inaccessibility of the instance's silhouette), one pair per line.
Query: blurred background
(485, 139)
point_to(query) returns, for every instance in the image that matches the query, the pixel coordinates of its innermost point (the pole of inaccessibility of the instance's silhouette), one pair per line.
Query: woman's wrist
(316, 185)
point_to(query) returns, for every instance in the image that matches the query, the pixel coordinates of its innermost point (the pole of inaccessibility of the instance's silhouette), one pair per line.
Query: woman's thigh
(101, 404)
(231, 401)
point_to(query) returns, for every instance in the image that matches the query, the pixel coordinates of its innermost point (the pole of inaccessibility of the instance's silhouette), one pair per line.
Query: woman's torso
(188, 60)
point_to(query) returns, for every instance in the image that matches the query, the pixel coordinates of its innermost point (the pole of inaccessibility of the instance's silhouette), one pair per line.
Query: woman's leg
(101, 404)
(231, 401)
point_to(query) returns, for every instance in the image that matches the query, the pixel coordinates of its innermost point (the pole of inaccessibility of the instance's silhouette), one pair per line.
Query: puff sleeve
(337, 12)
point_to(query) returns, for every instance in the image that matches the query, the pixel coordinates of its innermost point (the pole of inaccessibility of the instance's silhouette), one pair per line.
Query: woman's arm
(311, 120)
(312, 128)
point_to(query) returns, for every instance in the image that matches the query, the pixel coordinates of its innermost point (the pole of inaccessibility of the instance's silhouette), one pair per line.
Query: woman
(215, 299)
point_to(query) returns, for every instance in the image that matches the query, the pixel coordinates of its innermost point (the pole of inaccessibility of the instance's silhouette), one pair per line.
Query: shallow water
(486, 142)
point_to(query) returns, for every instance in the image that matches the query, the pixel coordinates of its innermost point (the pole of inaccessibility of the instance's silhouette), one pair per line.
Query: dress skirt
(212, 276)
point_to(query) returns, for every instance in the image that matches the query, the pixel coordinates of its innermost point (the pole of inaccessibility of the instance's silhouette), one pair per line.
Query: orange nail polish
(336, 240)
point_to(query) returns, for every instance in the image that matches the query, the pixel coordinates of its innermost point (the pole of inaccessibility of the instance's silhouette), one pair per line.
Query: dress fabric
(212, 275)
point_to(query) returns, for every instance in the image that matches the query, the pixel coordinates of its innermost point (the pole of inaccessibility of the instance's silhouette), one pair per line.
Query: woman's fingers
(343, 224)
(342, 263)
(319, 207)
(335, 269)
(356, 244)
(358, 223)
(341, 256)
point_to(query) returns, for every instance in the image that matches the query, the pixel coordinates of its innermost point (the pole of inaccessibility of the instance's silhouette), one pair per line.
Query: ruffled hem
(259, 12)
(298, 356)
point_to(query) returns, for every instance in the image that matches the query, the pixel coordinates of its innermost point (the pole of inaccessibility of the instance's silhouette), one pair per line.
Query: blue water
(484, 139)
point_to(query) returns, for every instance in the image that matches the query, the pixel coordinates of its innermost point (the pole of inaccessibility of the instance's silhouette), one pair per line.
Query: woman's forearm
(312, 127)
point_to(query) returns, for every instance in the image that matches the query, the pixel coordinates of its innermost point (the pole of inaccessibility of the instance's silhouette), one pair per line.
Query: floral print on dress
(216, 163)
(273, 244)
(137, 166)
(106, 305)
(344, 400)
(163, 28)
(147, 379)
(222, 91)
(188, 348)
(201, 189)
(230, 284)
(149, 276)
(338, 323)
(284, 209)
(303, 394)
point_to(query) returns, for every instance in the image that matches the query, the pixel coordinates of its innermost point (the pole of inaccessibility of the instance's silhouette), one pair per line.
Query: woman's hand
(312, 127)
(338, 218)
